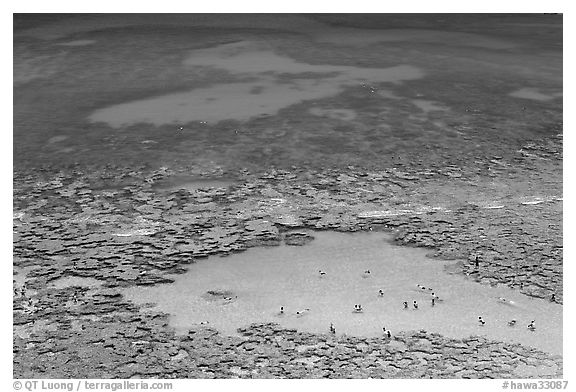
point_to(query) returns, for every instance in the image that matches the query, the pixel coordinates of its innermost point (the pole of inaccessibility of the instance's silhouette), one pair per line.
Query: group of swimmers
(387, 333)
(365, 274)
(358, 307)
(433, 295)
(511, 323)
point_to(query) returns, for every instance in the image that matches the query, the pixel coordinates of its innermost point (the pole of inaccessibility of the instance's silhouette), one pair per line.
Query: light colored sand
(266, 278)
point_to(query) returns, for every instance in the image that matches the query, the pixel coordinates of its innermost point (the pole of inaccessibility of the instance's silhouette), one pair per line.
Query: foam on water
(261, 280)
(535, 94)
(428, 106)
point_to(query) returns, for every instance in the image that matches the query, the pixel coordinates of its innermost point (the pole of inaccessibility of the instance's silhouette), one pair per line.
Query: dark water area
(280, 90)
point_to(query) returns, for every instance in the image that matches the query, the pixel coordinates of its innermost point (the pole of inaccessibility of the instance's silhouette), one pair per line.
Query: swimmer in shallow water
(281, 309)
(512, 322)
(332, 329)
(405, 305)
(322, 273)
(381, 293)
(531, 326)
(415, 305)
(506, 301)
(481, 321)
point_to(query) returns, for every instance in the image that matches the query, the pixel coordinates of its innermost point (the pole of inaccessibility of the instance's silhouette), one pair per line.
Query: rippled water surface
(266, 93)
(232, 90)
(256, 283)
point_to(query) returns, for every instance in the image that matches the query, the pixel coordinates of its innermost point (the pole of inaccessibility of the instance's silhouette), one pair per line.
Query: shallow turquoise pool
(262, 280)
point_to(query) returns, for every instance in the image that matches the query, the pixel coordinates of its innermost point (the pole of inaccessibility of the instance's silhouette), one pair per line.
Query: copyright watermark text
(85, 385)
(542, 384)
